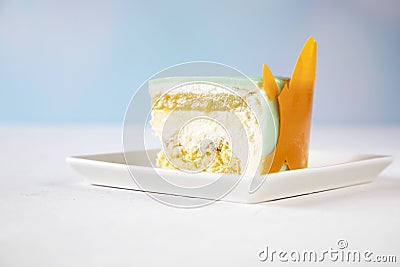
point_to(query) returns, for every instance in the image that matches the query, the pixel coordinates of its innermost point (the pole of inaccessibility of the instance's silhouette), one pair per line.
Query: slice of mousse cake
(251, 126)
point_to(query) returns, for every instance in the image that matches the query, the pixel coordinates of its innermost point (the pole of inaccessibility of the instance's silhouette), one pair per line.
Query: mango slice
(269, 83)
(295, 107)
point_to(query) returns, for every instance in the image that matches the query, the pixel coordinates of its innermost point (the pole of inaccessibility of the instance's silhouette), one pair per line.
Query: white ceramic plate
(326, 171)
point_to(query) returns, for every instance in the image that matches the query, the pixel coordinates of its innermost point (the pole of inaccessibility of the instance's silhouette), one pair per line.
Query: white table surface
(50, 217)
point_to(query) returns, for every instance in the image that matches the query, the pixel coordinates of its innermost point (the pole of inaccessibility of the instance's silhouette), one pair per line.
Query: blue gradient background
(81, 61)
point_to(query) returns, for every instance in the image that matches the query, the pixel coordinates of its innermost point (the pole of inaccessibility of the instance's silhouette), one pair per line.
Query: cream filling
(201, 144)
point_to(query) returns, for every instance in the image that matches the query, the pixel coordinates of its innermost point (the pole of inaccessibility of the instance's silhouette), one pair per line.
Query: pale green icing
(284, 167)
(236, 81)
(272, 122)
(229, 81)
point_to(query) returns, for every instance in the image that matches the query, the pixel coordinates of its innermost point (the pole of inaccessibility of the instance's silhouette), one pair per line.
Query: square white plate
(326, 171)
